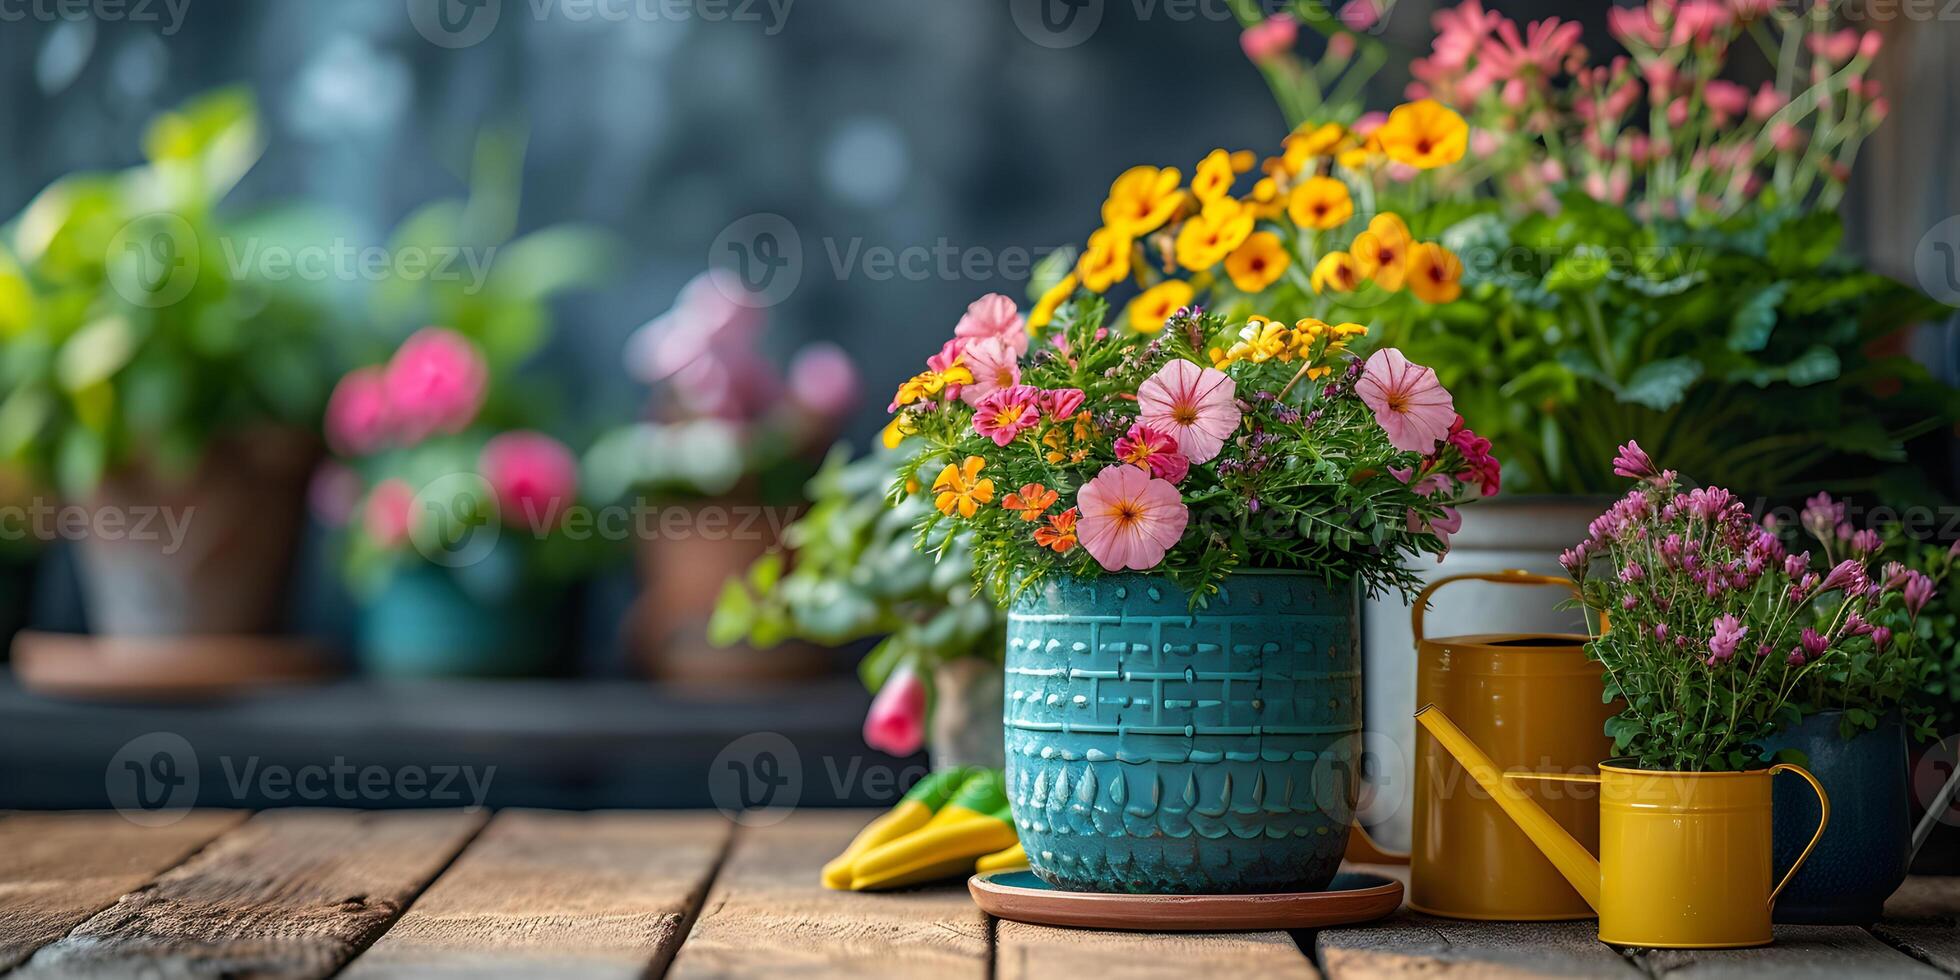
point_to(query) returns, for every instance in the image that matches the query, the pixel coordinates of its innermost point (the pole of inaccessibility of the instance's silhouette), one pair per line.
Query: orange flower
(1258, 263)
(1031, 501)
(1213, 178)
(1424, 134)
(1213, 233)
(1304, 144)
(961, 488)
(1336, 271)
(1141, 200)
(1071, 442)
(1435, 273)
(1320, 202)
(1106, 262)
(1153, 306)
(1059, 535)
(1382, 252)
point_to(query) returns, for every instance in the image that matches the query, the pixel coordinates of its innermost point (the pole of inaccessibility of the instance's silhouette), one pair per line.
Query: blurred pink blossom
(358, 420)
(1728, 99)
(1766, 102)
(386, 516)
(436, 383)
(334, 493)
(1360, 15)
(1270, 38)
(823, 380)
(1835, 48)
(534, 477)
(896, 723)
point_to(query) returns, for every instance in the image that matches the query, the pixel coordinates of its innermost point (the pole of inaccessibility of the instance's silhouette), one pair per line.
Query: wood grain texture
(1923, 919)
(290, 893)
(543, 894)
(1800, 953)
(1027, 952)
(767, 915)
(1419, 945)
(57, 869)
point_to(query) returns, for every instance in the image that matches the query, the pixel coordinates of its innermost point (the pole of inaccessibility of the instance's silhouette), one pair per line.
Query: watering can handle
(1823, 820)
(1514, 576)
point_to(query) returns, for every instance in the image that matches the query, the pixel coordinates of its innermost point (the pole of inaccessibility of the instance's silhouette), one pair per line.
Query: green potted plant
(149, 374)
(1181, 542)
(716, 465)
(848, 572)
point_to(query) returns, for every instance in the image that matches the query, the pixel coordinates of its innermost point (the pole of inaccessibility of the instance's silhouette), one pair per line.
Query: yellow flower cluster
(1387, 255)
(1311, 341)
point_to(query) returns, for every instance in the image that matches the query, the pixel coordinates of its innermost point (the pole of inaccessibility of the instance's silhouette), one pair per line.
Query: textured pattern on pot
(1151, 749)
(1863, 856)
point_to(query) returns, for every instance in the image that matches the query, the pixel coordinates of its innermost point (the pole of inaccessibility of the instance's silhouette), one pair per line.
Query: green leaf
(1755, 319)
(734, 615)
(1580, 269)
(1802, 244)
(1661, 385)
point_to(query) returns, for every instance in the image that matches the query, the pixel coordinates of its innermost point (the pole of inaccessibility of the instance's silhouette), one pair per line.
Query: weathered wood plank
(57, 869)
(1025, 952)
(1923, 919)
(543, 894)
(1410, 945)
(767, 915)
(1800, 953)
(291, 893)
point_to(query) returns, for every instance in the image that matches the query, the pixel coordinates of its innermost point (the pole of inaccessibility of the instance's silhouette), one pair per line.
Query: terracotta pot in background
(966, 727)
(681, 576)
(239, 513)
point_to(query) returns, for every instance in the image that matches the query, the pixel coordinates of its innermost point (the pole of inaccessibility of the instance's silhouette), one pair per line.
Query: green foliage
(138, 323)
(1742, 350)
(1931, 693)
(853, 574)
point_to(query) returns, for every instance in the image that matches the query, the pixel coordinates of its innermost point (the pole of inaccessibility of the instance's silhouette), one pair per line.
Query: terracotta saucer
(1350, 898)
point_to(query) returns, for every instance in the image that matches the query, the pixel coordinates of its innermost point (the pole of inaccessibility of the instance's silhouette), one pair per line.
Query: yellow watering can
(1684, 857)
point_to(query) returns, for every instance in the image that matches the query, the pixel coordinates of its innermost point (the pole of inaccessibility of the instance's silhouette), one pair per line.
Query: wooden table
(316, 893)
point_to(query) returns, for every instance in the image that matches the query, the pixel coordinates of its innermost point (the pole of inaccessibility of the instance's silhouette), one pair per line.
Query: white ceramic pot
(1525, 533)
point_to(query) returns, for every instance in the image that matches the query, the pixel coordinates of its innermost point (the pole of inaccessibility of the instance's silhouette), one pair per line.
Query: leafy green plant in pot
(713, 472)
(165, 386)
(1181, 543)
(848, 572)
(1936, 629)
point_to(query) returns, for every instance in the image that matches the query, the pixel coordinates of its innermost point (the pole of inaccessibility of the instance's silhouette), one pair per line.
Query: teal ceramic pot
(425, 624)
(1863, 856)
(1155, 750)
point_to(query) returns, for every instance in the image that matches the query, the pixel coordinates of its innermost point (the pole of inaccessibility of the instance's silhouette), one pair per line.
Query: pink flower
(1061, 403)
(358, 419)
(1153, 452)
(715, 311)
(1129, 519)
(1007, 413)
(1919, 591)
(1834, 48)
(1766, 102)
(995, 315)
(994, 365)
(1408, 402)
(1360, 15)
(1270, 38)
(1729, 632)
(386, 516)
(533, 475)
(1545, 45)
(1633, 462)
(436, 382)
(1195, 405)
(896, 723)
(1635, 27)
(1458, 33)
(1726, 98)
(334, 493)
(1445, 524)
(823, 380)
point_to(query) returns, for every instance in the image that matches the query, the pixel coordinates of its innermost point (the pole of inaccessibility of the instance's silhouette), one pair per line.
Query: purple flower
(1814, 643)
(1729, 632)
(1633, 462)
(1821, 516)
(1795, 565)
(1881, 638)
(1919, 591)
(1849, 575)
(1895, 576)
(1575, 560)
(1632, 573)
(1953, 552)
(1795, 659)
(1855, 625)
(1660, 632)
(1865, 543)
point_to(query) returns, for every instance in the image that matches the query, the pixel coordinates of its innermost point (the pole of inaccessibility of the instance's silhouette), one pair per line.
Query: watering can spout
(1569, 856)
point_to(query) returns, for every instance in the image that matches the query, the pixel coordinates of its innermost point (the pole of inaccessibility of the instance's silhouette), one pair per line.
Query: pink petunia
(1129, 519)
(995, 315)
(1195, 405)
(1007, 413)
(387, 514)
(896, 723)
(1153, 452)
(436, 382)
(1061, 403)
(359, 420)
(1409, 403)
(1270, 38)
(994, 365)
(534, 477)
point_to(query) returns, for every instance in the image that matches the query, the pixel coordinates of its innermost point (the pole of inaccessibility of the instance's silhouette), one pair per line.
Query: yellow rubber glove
(1012, 858)
(973, 823)
(913, 811)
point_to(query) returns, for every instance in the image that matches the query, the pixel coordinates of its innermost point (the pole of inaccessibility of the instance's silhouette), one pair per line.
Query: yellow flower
(1435, 273)
(1213, 233)
(1141, 200)
(1258, 263)
(1304, 144)
(1044, 308)
(1265, 200)
(1361, 154)
(961, 488)
(1336, 271)
(895, 432)
(1424, 134)
(1382, 252)
(928, 383)
(1213, 178)
(1070, 442)
(1150, 309)
(1261, 340)
(1106, 261)
(1316, 342)
(1346, 330)
(1320, 202)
